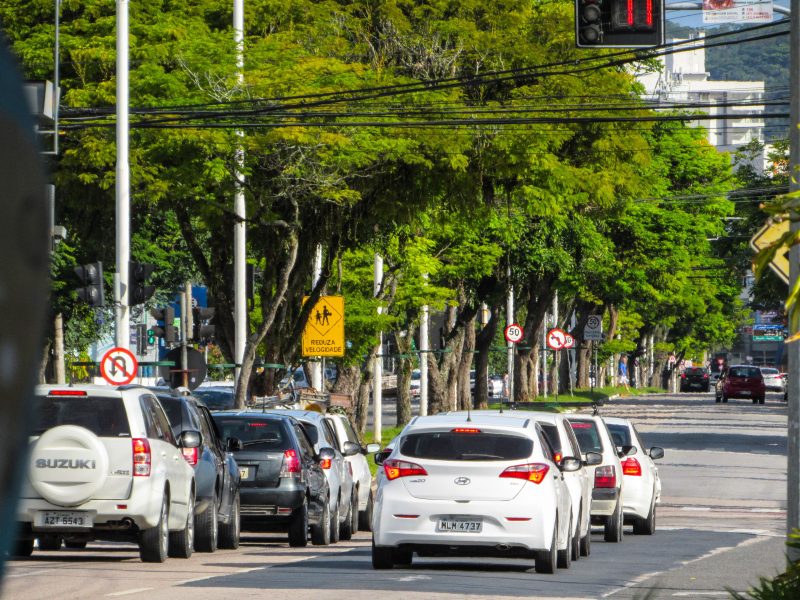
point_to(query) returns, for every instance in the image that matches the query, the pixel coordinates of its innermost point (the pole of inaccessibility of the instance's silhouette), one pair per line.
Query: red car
(741, 381)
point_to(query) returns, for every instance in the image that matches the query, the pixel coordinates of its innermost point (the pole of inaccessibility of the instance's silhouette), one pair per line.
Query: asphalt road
(720, 526)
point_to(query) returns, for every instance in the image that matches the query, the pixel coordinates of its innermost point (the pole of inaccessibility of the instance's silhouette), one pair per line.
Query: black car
(283, 485)
(217, 501)
(695, 378)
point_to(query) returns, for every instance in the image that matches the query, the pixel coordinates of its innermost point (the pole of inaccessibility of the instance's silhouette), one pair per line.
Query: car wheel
(336, 523)
(50, 542)
(586, 543)
(365, 516)
(762, 399)
(565, 555)
(181, 543)
(23, 548)
(724, 398)
(207, 527)
(154, 542)
(230, 532)
(718, 398)
(382, 558)
(706, 389)
(646, 526)
(354, 513)
(613, 526)
(321, 531)
(346, 530)
(755, 400)
(75, 544)
(576, 540)
(547, 560)
(403, 558)
(298, 527)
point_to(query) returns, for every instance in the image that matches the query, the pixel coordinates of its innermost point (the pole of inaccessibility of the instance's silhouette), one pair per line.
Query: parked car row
(157, 468)
(517, 484)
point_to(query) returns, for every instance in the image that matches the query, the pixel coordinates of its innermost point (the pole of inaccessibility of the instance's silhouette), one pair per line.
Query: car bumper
(604, 501)
(110, 515)
(638, 498)
(270, 504)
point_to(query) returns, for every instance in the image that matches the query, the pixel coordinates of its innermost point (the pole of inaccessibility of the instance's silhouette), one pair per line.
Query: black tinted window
(446, 445)
(551, 432)
(105, 417)
(174, 409)
(588, 435)
(215, 399)
(257, 432)
(744, 372)
(620, 434)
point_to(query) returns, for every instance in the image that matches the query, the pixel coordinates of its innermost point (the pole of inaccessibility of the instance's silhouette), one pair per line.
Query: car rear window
(551, 431)
(216, 399)
(744, 372)
(588, 435)
(695, 371)
(105, 417)
(620, 434)
(770, 371)
(447, 445)
(257, 432)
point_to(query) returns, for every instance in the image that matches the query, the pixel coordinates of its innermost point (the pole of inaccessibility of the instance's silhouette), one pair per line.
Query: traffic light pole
(239, 207)
(122, 330)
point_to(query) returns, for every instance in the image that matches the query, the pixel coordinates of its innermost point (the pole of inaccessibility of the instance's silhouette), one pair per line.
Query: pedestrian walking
(622, 372)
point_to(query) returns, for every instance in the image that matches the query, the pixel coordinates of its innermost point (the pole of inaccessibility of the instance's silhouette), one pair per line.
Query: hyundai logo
(462, 480)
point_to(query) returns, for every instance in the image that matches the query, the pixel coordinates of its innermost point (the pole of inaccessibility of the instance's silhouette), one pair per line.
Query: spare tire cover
(69, 465)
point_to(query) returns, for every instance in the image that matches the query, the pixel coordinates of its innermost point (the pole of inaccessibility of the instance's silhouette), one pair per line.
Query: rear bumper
(637, 500)
(604, 501)
(270, 505)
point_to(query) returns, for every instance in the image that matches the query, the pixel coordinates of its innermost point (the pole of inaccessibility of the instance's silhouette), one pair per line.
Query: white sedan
(642, 483)
(488, 486)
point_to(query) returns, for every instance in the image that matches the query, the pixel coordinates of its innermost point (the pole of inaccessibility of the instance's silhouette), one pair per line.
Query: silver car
(773, 379)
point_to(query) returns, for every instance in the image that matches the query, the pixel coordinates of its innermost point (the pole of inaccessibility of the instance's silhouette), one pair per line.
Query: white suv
(104, 465)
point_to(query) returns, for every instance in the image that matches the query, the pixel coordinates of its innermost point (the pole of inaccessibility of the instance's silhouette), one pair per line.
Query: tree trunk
(464, 390)
(483, 344)
(404, 375)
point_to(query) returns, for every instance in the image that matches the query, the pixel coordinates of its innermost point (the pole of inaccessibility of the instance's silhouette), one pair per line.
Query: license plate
(64, 519)
(745, 392)
(459, 525)
(244, 472)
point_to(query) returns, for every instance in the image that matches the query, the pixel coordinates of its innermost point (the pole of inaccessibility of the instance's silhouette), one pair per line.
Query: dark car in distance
(741, 381)
(695, 378)
(217, 499)
(283, 485)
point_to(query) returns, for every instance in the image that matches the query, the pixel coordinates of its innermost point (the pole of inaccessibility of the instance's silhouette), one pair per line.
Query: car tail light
(400, 468)
(631, 466)
(705, 375)
(534, 472)
(326, 463)
(141, 457)
(67, 393)
(605, 477)
(291, 463)
(191, 455)
(465, 430)
(683, 375)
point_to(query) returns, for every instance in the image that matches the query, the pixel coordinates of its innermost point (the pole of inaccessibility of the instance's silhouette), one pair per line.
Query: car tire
(613, 526)
(762, 399)
(724, 398)
(75, 544)
(382, 558)
(154, 542)
(646, 526)
(403, 558)
(181, 543)
(298, 527)
(365, 516)
(336, 523)
(50, 542)
(206, 527)
(586, 543)
(230, 532)
(346, 529)
(564, 560)
(706, 389)
(23, 548)
(718, 399)
(547, 560)
(321, 531)
(576, 540)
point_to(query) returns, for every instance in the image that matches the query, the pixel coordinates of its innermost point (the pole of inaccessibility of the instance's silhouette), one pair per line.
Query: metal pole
(316, 367)
(239, 209)
(377, 384)
(544, 356)
(556, 354)
(56, 77)
(509, 321)
(186, 307)
(123, 206)
(793, 349)
(423, 361)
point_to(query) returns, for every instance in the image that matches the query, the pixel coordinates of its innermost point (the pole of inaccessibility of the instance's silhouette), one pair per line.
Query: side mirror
(656, 452)
(351, 449)
(569, 464)
(190, 439)
(382, 456)
(593, 459)
(326, 453)
(233, 445)
(371, 448)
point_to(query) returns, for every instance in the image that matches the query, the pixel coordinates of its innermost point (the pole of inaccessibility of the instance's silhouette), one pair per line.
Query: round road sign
(569, 342)
(556, 339)
(514, 333)
(119, 366)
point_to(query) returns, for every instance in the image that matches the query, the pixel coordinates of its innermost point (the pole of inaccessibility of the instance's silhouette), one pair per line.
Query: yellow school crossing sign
(324, 331)
(768, 235)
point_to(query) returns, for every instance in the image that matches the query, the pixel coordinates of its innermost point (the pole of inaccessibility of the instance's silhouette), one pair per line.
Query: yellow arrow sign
(766, 236)
(324, 331)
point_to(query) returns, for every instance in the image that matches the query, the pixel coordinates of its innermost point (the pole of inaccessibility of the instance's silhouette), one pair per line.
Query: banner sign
(737, 11)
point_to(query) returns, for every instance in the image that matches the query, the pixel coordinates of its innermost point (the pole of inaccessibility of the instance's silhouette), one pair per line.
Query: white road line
(697, 593)
(128, 592)
(29, 573)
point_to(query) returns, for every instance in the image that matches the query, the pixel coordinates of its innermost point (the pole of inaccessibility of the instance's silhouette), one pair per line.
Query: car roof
(300, 415)
(109, 391)
(617, 421)
(538, 415)
(251, 414)
(477, 418)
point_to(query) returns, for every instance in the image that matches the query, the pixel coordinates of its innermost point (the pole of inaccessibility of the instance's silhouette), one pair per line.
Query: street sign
(593, 329)
(766, 236)
(514, 333)
(569, 342)
(556, 339)
(324, 331)
(768, 333)
(119, 366)
(196, 368)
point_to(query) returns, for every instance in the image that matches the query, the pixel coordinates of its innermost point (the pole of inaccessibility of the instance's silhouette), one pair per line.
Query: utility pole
(239, 209)
(510, 321)
(186, 326)
(793, 349)
(317, 381)
(424, 348)
(123, 202)
(377, 383)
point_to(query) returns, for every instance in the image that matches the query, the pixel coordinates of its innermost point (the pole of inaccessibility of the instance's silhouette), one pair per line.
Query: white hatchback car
(642, 483)
(104, 465)
(607, 491)
(488, 486)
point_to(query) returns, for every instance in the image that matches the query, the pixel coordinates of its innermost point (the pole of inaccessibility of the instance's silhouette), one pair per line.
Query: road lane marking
(128, 592)
(696, 593)
(29, 573)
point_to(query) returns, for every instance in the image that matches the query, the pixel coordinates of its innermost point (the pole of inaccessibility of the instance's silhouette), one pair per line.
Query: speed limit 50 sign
(514, 333)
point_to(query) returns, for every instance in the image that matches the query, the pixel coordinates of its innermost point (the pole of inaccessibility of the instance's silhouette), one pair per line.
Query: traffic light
(137, 276)
(168, 331)
(203, 328)
(619, 23)
(91, 276)
(141, 338)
